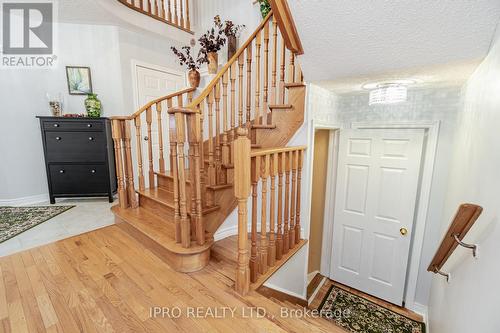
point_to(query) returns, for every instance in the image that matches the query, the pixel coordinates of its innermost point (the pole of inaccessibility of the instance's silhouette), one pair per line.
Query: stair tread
(264, 126)
(159, 229)
(166, 198)
(294, 84)
(281, 106)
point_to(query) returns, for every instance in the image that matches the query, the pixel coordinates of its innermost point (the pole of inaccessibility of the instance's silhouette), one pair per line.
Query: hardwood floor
(105, 281)
(324, 289)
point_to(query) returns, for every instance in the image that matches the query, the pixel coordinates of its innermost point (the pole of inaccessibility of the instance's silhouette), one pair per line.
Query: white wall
(23, 96)
(470, 302)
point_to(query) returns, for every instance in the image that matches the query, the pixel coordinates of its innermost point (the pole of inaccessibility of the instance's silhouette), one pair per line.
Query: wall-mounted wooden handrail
(287, 25)
(161, 10)
(464, 219)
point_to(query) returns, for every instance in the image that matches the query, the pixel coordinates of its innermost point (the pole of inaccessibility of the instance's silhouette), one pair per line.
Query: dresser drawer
(75, 146)
(90, 125)
(79, 178)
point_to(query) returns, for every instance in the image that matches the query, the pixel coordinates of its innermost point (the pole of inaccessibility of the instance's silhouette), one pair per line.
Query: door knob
(403, 231)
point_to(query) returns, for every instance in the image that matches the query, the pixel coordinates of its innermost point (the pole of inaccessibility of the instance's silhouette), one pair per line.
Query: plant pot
(213, 62)
(194, 78)
(93, 106)
(232, 46)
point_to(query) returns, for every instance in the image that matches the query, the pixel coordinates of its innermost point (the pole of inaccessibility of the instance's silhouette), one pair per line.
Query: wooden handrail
(287, 25)
(263, 152)
(161, 10)
(153, 102)
(464, 219)
(209, 88)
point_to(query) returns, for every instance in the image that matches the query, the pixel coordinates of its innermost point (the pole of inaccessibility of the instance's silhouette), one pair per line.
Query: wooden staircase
(222, 143)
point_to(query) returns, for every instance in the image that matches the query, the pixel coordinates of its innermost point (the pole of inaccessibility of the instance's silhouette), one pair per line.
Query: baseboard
(225, 232)
(34, 199)
(284, 291)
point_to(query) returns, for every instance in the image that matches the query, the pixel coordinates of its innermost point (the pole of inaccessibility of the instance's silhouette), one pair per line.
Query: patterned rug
(359, 315)
(15, 220)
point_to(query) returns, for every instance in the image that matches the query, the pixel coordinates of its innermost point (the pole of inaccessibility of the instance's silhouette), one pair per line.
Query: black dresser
(79, 157)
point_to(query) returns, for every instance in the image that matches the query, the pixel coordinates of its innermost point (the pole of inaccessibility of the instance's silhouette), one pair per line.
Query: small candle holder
(55, 104)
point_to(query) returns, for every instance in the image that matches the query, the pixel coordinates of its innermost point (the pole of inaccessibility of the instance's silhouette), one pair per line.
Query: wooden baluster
(205, 198)
(300, 161)
(129, 176)
(151, 173)
(218, 154)
(156, 9)
(161, 159)
(141, 4)
(274, 92)
(181, 11)
(263, 248)
(196, 160)
(266, 74)
(291, 77)
(293, 162)
(169, 12)
(211, 162)
(174, 173)
(190, 97)
(138, 139)
(241, 63)
(255, 174)
(185, 223)
(232, 76)
(225, 144)
(279, 237)
(282, 72)
(180, 102)
(162, 9)
(188, 19)
(257, 78)
(286, 233)
(273, 168)
(150, 9)
(117, 140)
(176, 17)
(249, 86)
(169, 106)
(242, 191)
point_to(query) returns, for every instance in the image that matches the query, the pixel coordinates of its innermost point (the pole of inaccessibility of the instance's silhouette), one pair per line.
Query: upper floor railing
(173, 12)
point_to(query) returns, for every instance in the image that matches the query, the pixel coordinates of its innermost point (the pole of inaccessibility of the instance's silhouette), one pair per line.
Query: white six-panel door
(377, 184)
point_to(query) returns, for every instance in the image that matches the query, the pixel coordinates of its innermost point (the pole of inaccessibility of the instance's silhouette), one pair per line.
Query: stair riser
(156, 208)
(185, 263)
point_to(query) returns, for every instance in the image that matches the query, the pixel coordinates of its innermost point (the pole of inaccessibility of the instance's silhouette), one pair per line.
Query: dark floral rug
(359, 315)
(15, 220)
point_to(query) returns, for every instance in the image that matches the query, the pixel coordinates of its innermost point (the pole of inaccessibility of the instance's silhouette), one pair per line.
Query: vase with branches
(232, 32)
(212, 42)
(186, 59)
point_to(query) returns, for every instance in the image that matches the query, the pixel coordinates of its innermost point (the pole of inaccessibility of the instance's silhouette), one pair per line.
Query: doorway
(376, 197)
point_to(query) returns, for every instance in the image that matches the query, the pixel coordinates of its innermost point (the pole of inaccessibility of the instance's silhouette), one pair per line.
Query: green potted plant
(93, 106)
(265, 7)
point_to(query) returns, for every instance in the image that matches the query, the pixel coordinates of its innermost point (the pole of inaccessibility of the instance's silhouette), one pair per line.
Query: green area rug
(359, 315)
(15, 220)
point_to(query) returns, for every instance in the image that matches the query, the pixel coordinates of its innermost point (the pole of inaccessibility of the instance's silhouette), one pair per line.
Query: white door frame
(427, 171)
(135, 84)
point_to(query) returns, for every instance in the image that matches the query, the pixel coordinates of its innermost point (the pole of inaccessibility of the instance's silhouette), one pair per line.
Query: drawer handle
(61, 171)
(56, 125)
(91, 138)
(92, 171)
(58, 138)
(89, 125)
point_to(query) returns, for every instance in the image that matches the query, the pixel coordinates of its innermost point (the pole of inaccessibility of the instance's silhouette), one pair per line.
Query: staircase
(223, 145)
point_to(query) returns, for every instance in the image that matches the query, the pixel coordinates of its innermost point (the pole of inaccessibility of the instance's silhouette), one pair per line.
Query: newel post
(117, 132)
(241, 155)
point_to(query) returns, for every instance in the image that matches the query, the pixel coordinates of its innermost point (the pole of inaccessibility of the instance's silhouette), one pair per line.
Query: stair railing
(173, 12)
(277, 230)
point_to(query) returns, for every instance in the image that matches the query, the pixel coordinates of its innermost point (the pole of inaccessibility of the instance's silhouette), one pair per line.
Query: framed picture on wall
(79, 80)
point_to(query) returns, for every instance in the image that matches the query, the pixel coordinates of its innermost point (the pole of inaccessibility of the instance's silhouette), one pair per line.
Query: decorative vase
(232, 46)
(194, 78)
(93, 106)
(213, 62)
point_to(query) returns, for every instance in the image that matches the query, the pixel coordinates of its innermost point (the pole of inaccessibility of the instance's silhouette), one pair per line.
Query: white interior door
(152, 84)
(377, 184)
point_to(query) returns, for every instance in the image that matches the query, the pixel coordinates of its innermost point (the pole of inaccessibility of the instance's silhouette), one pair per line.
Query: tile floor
(89, 214)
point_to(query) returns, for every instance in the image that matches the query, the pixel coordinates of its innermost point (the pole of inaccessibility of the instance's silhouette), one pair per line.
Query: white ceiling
(352, 38)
